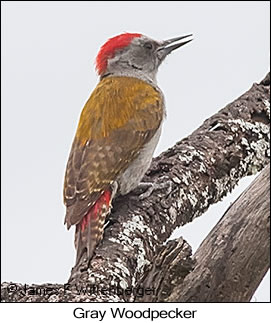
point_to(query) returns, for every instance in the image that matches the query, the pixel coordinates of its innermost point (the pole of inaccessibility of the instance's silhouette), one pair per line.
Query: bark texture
(233, 259)
(200, 170)
(230, 263)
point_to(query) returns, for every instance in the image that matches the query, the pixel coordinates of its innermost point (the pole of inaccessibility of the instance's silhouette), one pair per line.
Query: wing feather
(120, 117)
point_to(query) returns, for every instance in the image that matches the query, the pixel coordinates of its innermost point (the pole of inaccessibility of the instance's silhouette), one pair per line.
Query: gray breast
(136, 170)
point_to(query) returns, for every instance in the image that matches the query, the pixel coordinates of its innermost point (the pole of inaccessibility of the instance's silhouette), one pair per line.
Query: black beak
(164, 49)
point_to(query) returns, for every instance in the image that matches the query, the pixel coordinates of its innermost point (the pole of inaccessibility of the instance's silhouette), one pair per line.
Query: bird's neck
(149, 78)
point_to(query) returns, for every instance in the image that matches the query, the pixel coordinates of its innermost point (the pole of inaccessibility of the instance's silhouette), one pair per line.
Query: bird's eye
(148, 45)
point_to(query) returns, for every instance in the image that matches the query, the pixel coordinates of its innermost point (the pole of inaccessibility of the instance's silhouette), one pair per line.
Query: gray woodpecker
(117, 133)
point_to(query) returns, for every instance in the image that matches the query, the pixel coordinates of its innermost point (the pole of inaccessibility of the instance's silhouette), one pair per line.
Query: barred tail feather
(89, 231)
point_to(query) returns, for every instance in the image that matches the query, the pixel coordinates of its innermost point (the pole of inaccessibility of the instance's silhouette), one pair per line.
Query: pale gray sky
(48, 53)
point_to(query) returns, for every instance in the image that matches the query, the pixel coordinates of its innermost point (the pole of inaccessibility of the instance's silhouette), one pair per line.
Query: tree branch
(202, 169)
(233, 259)
(230, 263)
(168, 269)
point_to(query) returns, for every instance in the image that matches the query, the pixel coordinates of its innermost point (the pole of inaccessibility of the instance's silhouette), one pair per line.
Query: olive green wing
(120, 117)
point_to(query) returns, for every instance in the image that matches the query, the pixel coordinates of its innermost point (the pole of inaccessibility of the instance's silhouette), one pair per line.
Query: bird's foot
(150, 187)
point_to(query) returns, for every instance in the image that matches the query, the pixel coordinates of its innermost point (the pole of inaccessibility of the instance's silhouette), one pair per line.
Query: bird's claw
(150, 187)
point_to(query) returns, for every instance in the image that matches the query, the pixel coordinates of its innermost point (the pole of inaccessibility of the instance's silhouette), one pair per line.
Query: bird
(117, 133)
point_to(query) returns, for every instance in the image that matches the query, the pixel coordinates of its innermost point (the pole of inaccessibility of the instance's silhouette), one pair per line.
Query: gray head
(135, 55)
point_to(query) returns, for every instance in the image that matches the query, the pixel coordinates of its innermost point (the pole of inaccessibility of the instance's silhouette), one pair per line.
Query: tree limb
(168, 269)
(202, 169)
(231, 261)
